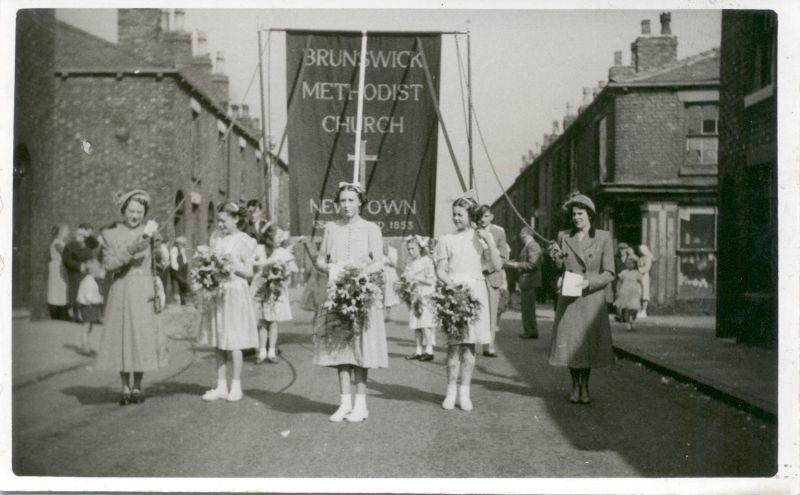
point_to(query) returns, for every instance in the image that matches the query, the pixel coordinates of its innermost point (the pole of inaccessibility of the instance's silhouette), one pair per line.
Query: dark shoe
(272, 360)
(137, 397)
(415, 357)
(125, 399)
(586, 400)
(260, 360)
(574, 398)
(490, 354)
(528, 336)
(426, 357)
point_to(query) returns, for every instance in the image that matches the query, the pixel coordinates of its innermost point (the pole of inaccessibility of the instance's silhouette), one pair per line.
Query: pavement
(66, 421)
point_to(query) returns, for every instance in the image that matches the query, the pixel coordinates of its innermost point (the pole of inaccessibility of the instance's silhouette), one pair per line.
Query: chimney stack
(164, 20)
(257, 124)
(139, 31)
(234, 111)
(665, 17)
(555, 128)
(245, 111)
(651, 52)
(618, 58)
(219, 67)
(202, 43)
(569, 117)
(179, 17)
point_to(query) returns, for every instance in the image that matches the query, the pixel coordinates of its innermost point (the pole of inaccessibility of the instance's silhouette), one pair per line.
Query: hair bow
(421, 240)
(354, 185)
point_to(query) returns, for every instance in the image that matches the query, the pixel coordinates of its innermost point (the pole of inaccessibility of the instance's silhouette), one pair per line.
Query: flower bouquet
(407, 291)
(455, 308)
(209, 272)
(273, 276)
(350, 295)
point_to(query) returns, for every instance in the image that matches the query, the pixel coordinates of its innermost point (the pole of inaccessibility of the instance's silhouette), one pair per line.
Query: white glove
(150, 228)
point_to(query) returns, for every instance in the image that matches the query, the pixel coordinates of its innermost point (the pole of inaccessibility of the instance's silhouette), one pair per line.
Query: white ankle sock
(450, 399)
(222, 385)
(344, 407)
(428, 349)
(463, 398)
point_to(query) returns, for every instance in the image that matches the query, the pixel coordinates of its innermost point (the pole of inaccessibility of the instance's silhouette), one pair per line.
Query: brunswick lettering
(381, 59)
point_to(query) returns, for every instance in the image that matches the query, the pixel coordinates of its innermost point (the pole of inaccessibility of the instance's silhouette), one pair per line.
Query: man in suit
(179, 269)
(528, 280)
(495, 279)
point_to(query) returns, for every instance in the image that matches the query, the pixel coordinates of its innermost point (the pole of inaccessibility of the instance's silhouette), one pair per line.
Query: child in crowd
(629, 292)
(420, 269)
(90, 301)
(269, 312)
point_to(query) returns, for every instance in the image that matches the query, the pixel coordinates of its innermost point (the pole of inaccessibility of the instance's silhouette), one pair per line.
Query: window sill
(698, 171)
(759, 95)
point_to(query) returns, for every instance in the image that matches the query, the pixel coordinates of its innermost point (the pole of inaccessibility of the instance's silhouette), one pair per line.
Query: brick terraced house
(94, 117)
(645, 149)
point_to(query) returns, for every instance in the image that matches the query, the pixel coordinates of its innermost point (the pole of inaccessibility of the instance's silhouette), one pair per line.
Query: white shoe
(215, 394)
(463, 399)
(449, 402)
(236, 394)
(357, 415)
(340, 413)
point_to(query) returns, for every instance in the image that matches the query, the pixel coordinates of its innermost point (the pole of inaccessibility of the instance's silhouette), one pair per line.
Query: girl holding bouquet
(351, 348)
(271, 287)
(460, 258)
(421, 273)
(231, 314)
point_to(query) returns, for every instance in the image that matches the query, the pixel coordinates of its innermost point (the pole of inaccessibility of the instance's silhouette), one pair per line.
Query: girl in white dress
(459, 257)
(231, 313)
(270, 312)
(355, 241)
(420, 269)
(390, 297)
(57, 275)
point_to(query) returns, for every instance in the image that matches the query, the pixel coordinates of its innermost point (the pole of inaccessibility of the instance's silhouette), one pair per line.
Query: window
(196, 140)
(764, 48)
(697, 247)
(178, 220)
(602, 149)
(702, 125)
(211, 219)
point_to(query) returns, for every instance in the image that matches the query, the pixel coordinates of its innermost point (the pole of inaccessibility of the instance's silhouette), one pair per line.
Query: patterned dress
(230, 317)
(358, 243)
(132, 338)
(422, 268)
(463, 252)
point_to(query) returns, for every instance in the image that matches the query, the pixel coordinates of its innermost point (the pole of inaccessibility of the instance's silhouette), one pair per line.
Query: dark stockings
(580, 384)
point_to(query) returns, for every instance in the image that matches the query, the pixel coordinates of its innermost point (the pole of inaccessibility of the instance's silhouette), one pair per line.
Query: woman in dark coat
(581, 332)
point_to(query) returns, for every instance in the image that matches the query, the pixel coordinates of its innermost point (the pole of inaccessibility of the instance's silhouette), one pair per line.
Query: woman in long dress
(355, 241)
(581, 332)
(57, 275)
(132, 341)
(230, 314)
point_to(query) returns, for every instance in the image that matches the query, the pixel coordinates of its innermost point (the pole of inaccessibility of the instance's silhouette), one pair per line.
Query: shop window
(697, 248)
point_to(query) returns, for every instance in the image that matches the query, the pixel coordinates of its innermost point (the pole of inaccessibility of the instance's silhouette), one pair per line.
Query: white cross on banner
(362, 162)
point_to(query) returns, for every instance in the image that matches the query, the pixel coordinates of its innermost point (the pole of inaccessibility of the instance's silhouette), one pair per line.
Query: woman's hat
(578, 199)
(120, 198)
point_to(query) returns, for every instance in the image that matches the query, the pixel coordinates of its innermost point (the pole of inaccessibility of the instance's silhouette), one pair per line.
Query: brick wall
(33, 103)
(747, 271)
(650, 139)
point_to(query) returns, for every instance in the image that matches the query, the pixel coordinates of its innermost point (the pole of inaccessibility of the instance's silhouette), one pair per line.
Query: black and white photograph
(423, 248)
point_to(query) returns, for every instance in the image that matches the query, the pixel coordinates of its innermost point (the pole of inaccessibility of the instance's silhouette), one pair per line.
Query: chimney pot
(601, 84)
(202, 43)
(246, 111)
(555, 127)
(646, 26)
(257, 124)
(179, 17)
(665, 17)
(219, 67)
(569, 108)
(235, 111)
(587, 96)
(617, 58)
(164, 20)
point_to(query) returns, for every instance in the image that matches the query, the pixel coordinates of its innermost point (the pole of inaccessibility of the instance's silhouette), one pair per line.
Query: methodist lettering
(372, 92)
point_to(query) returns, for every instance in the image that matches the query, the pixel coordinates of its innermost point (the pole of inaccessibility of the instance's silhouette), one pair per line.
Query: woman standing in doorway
(57, 275)
(581, 332)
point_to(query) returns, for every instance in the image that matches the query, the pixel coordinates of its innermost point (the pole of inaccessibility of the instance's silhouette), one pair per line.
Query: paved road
(640, 424)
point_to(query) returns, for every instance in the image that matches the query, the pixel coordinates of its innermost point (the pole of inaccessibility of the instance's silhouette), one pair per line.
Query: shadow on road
(104, 395)
(290, 403)
(657, 427)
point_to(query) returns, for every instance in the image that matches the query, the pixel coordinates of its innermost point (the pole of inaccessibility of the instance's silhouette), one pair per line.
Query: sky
(526, 66)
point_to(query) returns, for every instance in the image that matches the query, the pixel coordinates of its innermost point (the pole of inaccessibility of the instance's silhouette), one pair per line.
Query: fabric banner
(399, 128)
